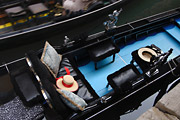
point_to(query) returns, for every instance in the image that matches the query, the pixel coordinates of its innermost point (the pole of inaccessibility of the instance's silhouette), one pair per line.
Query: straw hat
(146, 54)
(68, 83)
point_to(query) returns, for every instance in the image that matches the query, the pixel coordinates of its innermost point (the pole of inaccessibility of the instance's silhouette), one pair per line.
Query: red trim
(67, 71)
(66, 85)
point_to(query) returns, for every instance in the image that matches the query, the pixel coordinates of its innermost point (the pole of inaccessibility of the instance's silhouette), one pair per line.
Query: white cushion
(51, 59)
(15, 10)
(37, 8)
(72, 100)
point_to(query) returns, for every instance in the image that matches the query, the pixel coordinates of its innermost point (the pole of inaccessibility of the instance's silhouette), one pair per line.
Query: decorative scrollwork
(110, 24)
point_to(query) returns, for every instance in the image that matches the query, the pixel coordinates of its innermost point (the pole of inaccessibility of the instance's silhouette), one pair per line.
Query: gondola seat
(84, 90)
(37, 10)
(121, 80)
(103, 50)
(142, 63)
(17, 13)
(48, 81)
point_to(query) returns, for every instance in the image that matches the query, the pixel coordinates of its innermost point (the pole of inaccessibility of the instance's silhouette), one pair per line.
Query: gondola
(116, 68)
(52, 19)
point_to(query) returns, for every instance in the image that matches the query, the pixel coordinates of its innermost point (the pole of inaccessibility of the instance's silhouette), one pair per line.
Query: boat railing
(9, 3)
(137, 25)
(6, 64)
(130, 24)
(161, 15)
(131, 29)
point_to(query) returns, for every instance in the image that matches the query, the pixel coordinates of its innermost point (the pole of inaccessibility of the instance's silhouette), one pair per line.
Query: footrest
(102, 50)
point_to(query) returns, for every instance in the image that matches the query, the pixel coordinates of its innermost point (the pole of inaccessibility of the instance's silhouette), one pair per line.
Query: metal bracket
(150, 74)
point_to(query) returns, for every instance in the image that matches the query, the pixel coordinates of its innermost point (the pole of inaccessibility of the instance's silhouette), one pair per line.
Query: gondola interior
(98, 81)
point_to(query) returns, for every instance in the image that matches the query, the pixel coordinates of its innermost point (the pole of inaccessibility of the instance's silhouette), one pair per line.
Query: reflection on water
(138, 9)
(135, 9)
(144, 106)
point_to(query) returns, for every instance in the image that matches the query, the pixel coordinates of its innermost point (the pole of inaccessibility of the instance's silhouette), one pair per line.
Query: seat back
(121, 80)
(25, 84)
(47, 83)
(41, 13)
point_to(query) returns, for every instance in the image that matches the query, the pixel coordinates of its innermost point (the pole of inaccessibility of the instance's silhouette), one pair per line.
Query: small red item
(67, 71)
(66, 85)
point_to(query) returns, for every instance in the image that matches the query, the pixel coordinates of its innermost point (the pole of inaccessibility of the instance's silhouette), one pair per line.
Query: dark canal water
(135, 9)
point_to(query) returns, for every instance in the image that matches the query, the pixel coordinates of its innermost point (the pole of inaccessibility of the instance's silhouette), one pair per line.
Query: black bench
(102, 50)
(122, 79)
(48, 81)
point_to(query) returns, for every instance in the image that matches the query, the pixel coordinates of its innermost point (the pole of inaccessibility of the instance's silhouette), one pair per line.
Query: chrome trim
(45, 95)
(6, 67)
(109, 98)
(105, 99)
(130, 26)
(139, 81)
(90, 106)
(43, 91)
(13, 61)
(149, 74)
(29, 62)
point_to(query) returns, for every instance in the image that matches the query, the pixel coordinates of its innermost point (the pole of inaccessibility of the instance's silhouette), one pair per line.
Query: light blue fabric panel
(174, 31)
(162, 39)
(98, 78)
(178, 21)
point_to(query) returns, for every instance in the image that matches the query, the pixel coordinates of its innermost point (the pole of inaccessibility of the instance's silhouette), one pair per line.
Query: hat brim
(146, 54)
(73, 88)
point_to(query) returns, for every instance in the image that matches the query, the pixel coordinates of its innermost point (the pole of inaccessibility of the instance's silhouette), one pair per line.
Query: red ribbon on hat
(66, 85)
(67, 71)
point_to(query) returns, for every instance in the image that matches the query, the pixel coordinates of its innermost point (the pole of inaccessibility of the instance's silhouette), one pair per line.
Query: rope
(122, 59)
(172, 68)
